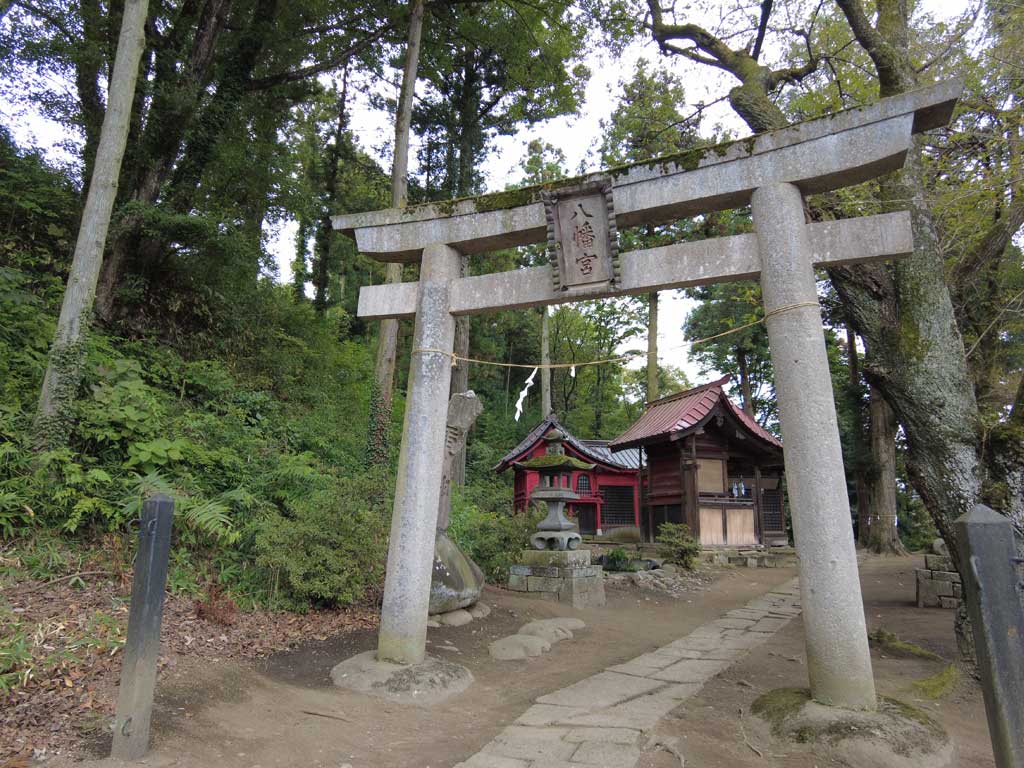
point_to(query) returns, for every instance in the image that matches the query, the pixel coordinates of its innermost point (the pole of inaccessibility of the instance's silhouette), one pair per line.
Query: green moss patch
(550, 461)
(889, 643)
(892, 706)
(939, 684)
(775, 707)
(792, 715)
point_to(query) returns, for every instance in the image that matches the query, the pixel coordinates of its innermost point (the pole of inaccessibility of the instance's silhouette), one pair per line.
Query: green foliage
(677, 545)
(742, 353)
(329, 545)
(647, 121)
(618, 560)
(483, 526)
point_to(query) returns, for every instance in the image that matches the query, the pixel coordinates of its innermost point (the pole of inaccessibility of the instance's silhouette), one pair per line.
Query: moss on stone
(910, 712)
(777, 706)
(554, 460)
(939, 684)
(888, 642)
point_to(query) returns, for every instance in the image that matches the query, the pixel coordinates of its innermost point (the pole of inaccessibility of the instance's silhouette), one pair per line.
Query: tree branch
(304, 73)
(995, 241)
(762, 28)
(859, 22)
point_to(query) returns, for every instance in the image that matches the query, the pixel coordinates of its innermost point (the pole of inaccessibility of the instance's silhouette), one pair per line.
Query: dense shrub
(677, 545)
(329, 546)
(618, 560)
(485, 528)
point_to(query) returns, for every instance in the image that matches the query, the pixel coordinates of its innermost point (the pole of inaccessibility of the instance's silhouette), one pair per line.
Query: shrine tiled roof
(679, 414)
(594, 450)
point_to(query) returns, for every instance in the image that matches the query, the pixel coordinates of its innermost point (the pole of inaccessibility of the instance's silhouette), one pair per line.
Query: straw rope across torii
(771, 172)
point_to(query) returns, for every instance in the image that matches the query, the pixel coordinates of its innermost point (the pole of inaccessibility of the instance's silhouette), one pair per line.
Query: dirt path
(285, 713)
(715, 731)
(288, 714)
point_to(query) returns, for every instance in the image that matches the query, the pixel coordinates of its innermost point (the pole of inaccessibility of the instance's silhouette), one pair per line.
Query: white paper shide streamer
(522, 395)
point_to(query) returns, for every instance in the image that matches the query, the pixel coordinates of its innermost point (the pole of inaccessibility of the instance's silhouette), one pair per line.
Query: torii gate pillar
(838, 657)
(403, 620)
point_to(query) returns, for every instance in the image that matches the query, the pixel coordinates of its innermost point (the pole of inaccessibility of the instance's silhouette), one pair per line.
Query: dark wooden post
(138, 674)
(758, 508)
(991, 585)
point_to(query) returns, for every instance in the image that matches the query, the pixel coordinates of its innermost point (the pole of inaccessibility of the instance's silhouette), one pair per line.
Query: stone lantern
(555, 469)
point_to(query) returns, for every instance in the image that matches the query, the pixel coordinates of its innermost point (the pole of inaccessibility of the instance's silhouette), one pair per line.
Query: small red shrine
(710, 465)
(694, 457)
(609, 493)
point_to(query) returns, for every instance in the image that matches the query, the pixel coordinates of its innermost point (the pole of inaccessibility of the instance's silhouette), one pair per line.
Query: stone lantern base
(563, 575)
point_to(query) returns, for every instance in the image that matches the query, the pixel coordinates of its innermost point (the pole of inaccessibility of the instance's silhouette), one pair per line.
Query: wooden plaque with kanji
(582, 236)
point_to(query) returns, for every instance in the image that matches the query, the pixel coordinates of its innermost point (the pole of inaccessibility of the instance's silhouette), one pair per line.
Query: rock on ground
(667, 580)
(518, 647)
(479, 611)
(430, 682)
(549, 629)
(457, 618)
(456, 581)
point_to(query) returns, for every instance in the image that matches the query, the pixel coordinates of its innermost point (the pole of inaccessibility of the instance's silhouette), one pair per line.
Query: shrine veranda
(772, 173)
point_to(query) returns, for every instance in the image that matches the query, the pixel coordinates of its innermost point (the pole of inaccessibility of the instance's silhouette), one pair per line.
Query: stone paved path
(601, 720)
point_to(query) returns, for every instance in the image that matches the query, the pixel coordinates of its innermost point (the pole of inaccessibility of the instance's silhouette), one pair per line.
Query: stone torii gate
(771, 172)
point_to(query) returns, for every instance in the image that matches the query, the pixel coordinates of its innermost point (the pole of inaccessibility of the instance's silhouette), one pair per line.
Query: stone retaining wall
(938, 584)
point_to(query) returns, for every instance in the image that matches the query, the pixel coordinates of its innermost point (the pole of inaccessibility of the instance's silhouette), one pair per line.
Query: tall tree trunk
(460, 381)
(860, 481)
(300, 265)
(387, 343)
(883, 537)
(745, 388)
(545, 359)
(905, 313)
(652, 346)
(64, 369)
(325, 231)
(468, 118)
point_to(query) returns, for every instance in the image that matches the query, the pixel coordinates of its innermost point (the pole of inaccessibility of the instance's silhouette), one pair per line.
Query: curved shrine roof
(682, 413)
(595, 450)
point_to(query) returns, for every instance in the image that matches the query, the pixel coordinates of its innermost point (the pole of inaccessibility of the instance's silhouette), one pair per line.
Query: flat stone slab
(691, 671)
(553, 630)
(430, 682)
(601, 690)
(548, 714)
(769, 625)
(457, 618)
(525, 742)
(641, 713)
(516, 647)
(600, 721)
(482, 760)
(626, 736)
(605, 754)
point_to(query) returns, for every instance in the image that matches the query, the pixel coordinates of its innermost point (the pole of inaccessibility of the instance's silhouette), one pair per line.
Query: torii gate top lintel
(818, 155)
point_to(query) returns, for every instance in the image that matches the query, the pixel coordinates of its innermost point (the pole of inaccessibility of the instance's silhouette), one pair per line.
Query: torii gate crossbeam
(772, 172)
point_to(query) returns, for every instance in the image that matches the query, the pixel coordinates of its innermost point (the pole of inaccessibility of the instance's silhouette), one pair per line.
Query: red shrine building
(609, 493)
(694, 457)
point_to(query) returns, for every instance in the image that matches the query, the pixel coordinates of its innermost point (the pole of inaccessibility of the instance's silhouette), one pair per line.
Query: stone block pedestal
(566, 576)
(938, 585)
